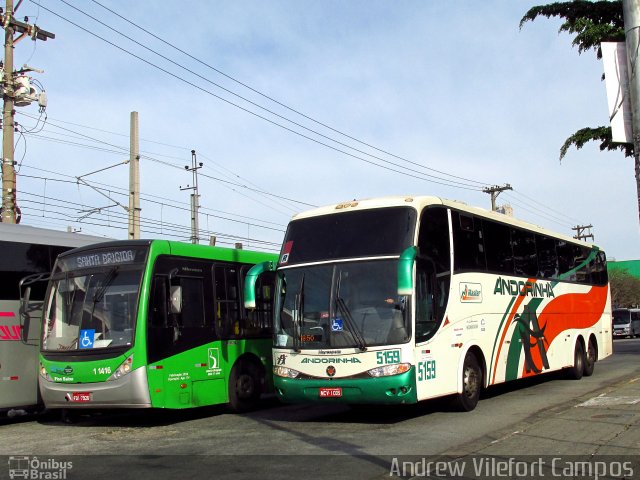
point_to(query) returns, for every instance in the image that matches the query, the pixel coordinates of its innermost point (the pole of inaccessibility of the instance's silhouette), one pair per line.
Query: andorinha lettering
(105, 258)
(331, 360)
(524, 289)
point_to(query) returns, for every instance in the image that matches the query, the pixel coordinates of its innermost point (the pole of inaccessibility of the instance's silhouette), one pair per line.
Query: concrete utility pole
(195, 197)
(494, 192)
(631, 12)
(134, 179)
(580, 235)
(12, 26)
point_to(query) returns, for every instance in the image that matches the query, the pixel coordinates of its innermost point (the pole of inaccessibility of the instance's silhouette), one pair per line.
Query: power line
(421, 175)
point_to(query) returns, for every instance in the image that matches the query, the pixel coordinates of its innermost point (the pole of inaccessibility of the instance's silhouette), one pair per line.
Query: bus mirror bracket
(250, 282)
(405, 270)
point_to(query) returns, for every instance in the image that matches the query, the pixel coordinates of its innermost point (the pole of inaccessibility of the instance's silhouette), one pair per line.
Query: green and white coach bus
(397, 300)
(154, 323)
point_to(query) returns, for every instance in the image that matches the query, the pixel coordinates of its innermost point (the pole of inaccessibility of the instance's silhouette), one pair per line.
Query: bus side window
(525, 260)
(259, 321)
(159, 302)
(468, 243)
(547, 258)
(227, 310)
(426, 308)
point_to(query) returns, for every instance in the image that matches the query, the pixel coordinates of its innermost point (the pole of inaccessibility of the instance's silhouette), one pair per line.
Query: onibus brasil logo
(38, 469)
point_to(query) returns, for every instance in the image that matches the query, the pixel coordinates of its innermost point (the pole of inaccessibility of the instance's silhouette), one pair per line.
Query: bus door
(184, 360)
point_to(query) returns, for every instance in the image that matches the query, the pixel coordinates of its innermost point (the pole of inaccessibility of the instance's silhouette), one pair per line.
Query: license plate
(81, 397)
(330, 392)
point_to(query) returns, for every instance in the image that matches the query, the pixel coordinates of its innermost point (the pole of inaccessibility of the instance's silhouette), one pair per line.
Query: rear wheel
(471, 384)
(575, 372)
(245, 387)
(590, 358)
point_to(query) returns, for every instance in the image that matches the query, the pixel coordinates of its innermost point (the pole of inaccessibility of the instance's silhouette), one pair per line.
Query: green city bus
(154, 323)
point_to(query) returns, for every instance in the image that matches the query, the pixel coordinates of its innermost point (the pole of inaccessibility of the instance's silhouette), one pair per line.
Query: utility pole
(195, 197)
(580, 235)
(631, 13)
(494, 192)
(134, 179)
(12, 26)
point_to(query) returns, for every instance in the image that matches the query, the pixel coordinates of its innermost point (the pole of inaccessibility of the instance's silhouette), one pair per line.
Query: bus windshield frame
(341, 305)
(92, 303)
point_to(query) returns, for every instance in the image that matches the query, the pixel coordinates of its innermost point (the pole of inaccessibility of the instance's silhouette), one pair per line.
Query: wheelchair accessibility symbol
(86, 338)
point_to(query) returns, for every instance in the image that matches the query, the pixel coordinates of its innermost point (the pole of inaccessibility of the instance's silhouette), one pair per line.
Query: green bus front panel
(394, 389)
(200, 376)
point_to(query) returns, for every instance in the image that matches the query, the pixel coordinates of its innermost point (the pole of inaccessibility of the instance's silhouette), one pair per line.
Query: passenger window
(498, 247)
(524, 253)
(468, 243)
(547, 258)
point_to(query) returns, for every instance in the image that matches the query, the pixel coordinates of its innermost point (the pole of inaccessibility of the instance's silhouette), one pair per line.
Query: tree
(625, 289)
(591, 23)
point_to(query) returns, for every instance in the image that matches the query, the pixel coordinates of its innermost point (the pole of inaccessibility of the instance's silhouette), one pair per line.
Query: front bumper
(394, 389)
(130, 391)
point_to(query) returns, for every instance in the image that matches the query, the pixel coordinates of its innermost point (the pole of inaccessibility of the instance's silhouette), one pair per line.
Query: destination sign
(103, 258)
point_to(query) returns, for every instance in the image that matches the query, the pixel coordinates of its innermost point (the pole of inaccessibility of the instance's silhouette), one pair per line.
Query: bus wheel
(590, 358)
(575, 372)
(244, 387)
(471, 384)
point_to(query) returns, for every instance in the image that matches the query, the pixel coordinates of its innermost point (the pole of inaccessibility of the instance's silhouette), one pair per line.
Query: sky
(293, 104)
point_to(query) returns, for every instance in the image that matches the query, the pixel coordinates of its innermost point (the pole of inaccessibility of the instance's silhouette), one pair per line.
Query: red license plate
(81, 397)
(330, 392)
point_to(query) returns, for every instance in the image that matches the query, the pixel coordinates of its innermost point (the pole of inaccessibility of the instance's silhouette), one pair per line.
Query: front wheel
(575, 372)
(245, 387)
(471, 384)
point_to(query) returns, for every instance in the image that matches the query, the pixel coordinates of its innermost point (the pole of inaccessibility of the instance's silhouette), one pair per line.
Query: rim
(470, 382)
(244, 386)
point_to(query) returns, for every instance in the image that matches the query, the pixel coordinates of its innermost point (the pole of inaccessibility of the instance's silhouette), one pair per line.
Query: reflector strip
(7, 314)
(155, 367)
(201, 365)
(11, 378)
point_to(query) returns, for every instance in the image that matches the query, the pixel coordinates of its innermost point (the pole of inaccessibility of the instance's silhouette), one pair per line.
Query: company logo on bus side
(524, 289)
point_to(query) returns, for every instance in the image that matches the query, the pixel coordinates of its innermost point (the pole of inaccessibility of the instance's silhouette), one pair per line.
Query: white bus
(28, 254)
(402, 299)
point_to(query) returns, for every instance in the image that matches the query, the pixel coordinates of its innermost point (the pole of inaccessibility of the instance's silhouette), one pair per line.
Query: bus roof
(184, 249)
(44, 236)
(420, 201)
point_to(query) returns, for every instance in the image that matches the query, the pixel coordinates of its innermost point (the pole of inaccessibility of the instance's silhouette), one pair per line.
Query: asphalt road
(292, 441)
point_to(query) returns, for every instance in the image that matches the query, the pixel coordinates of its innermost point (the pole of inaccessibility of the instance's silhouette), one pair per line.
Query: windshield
(91, 310)
(341, 305)
(621, 317)
(362, 233)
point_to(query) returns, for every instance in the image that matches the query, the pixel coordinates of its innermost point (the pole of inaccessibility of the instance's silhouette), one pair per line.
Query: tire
(245, 387)
(576, 372)
(590, 358)
(471, 385)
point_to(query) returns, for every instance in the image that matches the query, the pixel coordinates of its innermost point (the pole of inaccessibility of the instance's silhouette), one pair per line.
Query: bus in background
(28, 254)
(402, 299)
(154, 323)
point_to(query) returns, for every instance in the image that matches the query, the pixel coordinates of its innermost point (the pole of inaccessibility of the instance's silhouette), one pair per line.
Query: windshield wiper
(100, 292)
(298, 315)
(106, 284)
(350, 323)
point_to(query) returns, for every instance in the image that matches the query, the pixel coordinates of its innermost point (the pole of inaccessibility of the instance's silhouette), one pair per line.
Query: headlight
(387, 370)
(285, 372)
(122, 370)
(44, 374)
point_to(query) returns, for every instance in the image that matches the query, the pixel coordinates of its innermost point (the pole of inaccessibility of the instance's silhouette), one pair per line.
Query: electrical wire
(409, 171)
